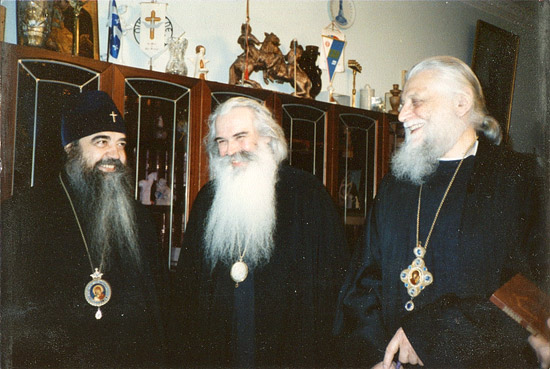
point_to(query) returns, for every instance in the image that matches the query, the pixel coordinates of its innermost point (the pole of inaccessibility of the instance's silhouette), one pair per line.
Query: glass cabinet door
(43, 91)
(157, 117)
(356, 166)
(305, 128)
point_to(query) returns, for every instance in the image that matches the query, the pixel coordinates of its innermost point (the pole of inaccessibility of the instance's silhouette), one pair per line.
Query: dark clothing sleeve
(359, 320)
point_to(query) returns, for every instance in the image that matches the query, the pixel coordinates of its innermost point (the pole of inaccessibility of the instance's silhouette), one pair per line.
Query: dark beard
(105, 207)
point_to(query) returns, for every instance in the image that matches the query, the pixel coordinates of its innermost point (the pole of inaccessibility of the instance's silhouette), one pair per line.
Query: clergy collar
(472, 151)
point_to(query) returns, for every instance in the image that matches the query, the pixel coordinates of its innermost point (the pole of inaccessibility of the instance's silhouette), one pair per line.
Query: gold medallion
(416, 277)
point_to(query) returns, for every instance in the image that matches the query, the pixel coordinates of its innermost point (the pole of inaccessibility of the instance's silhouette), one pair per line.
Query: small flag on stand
(335, 48)
(332, 50)
(115, 32)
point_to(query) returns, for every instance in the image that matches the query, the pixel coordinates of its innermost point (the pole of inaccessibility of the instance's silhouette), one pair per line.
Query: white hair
(462, 76)
(264, 123)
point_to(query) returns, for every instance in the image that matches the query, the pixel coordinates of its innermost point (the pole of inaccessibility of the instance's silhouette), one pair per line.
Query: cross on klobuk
(152, 19)
(113, 115)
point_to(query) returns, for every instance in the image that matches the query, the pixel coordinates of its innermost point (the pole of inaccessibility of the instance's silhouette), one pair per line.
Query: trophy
(34, 22)
(356, 68)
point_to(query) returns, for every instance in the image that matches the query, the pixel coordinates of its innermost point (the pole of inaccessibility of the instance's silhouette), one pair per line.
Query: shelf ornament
(77, 6)
(356, 68)
(334, 41)
(151, 40)
(268, 58)
(176, 62)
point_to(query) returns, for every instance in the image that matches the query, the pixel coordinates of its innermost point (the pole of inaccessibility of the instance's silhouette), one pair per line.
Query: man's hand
(542, 348)
(400, 343)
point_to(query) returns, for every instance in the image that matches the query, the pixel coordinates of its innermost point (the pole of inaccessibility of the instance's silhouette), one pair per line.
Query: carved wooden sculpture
(268, 58)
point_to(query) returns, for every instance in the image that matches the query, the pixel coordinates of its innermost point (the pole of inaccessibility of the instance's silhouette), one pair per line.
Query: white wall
(386, 38)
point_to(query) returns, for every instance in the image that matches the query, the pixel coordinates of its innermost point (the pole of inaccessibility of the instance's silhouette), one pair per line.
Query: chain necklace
(98, 291)
(416, 276)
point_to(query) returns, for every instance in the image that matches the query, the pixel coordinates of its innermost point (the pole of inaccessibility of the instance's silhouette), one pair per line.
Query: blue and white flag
(332, 50)
(335, 48)
(115, 32)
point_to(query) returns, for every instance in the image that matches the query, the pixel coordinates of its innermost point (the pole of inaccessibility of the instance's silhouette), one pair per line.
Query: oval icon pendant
(239, 271)
(97, 292)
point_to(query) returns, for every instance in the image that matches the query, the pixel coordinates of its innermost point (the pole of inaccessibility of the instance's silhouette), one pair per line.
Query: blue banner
(334, 54)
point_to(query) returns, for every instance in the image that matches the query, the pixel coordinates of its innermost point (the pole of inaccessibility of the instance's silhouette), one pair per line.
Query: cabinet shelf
(319, 133)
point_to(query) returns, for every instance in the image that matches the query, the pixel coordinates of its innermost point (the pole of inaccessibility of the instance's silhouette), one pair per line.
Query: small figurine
(145, 186)
(163, 193)
(176, 63)
(200, 62)
(160, 131)
(246, 37)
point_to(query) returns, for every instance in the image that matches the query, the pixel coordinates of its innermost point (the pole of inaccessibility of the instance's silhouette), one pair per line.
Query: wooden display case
(348, 149)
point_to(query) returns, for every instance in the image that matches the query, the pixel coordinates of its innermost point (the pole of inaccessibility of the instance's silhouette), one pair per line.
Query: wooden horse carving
(288, 69)
(268, 58)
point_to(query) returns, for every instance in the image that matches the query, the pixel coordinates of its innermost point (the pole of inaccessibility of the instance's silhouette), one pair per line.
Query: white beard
(414, 162)
(242, 217)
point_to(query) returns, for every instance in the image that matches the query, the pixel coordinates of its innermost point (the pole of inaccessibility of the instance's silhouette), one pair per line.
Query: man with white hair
(263, 254)
(457, 217)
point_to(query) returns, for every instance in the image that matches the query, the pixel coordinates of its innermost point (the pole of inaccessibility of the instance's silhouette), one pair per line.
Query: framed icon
(494, 61)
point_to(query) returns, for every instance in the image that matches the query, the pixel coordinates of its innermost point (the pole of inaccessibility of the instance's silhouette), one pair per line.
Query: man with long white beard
(263, 254)
(456, 218)
(81, 273)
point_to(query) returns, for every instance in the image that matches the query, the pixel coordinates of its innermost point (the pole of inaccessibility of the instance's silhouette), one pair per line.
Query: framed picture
(62, 29)
(494, 62)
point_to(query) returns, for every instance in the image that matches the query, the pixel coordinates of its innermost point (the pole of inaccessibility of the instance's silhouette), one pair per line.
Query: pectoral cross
(113, 115)
(152, 19)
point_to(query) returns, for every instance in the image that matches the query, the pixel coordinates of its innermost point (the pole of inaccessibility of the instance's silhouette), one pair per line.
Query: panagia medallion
(97, 292)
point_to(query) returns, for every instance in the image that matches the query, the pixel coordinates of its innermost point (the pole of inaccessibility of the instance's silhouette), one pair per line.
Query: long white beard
(414, 161)
(242, 218)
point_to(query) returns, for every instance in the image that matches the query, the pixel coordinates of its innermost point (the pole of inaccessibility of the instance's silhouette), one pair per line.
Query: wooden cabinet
(346, 148)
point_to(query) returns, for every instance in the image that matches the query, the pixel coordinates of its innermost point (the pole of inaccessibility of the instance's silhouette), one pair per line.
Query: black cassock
(282, 314)
(490, 227)
(46, 321)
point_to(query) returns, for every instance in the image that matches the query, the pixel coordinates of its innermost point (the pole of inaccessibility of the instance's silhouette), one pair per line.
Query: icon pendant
(239, 272)
(416, 277)
(97, 292)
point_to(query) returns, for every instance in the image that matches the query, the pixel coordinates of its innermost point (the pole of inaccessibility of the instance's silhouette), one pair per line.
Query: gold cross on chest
(152, 19)
(113, 115)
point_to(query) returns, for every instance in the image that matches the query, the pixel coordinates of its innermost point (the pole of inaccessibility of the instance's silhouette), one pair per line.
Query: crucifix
(113, 115)
(152, 19)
